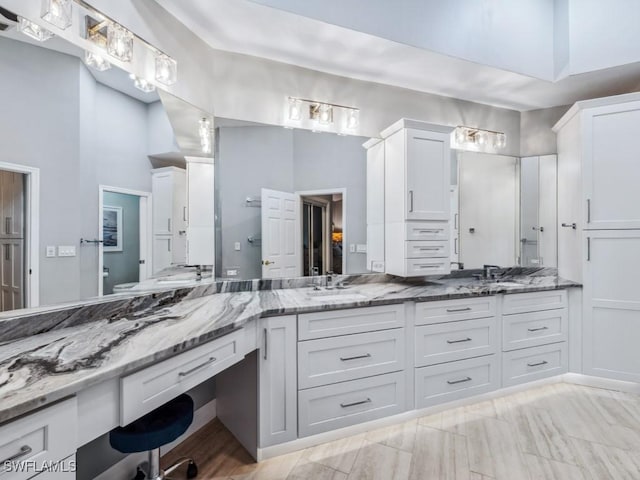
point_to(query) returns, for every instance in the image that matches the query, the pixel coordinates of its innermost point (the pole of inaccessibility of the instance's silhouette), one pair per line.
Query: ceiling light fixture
(33, 30)
(142, 84)
(204, 130)
(96, 61)
(57, 13)
(323, 114)
(166, 69)
(465, 137)
(119, 42)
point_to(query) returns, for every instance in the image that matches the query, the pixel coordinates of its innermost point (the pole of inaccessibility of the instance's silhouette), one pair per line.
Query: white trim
(32, 236)
(328, 191)
(600, 382)
(126, 468)
(146, 227)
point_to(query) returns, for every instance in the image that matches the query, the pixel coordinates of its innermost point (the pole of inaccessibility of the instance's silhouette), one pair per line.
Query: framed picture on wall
(112, 229)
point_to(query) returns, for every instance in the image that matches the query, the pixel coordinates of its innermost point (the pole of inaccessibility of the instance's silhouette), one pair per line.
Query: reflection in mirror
(289, 202)
(506, 212)
(82, 157)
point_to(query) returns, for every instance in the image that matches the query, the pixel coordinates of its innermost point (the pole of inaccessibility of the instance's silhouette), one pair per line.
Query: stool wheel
(192, 470)
(140, 475)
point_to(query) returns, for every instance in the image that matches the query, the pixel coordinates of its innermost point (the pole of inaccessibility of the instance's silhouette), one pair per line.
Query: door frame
(328, 191)
(146, 227)
(32, 234)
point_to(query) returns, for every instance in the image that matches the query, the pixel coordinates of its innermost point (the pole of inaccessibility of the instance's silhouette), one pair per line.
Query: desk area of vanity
(106, 364)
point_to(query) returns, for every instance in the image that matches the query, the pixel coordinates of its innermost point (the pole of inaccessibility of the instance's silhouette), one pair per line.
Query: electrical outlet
(377, 266)
(361, 248)
(236, 246)
(232, 273)
(66, 251)
(51, 251)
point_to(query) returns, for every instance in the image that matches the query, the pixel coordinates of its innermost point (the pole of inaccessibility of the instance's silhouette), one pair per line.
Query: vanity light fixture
(96, 61)
(295, 109)
(57, 13)
(142, 84)
(166, 69)
(323, 114)
(33, 30)
(353, 119)
(204, 131)
(119, 42)
(470, 136)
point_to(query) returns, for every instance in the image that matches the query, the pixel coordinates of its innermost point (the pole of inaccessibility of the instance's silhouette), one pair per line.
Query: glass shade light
(353, 119)
(57, 13)
(295, 109)
(461, 136)
(325, 114)
(166, 69)
(500, 140)
(33, 30)
(96, 61)
(204, 131)
(142, 84)
(119, 42)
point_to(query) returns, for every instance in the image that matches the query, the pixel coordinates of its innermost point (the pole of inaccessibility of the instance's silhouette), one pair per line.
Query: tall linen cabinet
(599, 228)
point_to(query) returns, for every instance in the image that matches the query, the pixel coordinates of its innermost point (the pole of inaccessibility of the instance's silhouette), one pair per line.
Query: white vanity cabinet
(417, 202)
(169, 192)
(456, 342)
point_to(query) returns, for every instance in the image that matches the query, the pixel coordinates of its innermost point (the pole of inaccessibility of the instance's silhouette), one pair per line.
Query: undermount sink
(336, 295)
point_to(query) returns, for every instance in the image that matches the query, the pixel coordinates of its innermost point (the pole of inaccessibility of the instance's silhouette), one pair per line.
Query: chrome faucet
(460, 265)
(330, 279)
(487, 271)
(198, 273)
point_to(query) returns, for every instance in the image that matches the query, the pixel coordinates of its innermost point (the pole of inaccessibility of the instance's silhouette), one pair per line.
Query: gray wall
(252, 158)
(123, 266)
(536, 137)
(80, 135)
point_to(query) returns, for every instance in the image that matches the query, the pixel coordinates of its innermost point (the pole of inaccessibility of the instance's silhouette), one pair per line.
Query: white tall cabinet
(417, 198)
(375, 204)
(169, 217)
(598, 171)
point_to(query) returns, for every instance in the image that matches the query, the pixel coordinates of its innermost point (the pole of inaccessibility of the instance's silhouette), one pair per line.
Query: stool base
(156, 473)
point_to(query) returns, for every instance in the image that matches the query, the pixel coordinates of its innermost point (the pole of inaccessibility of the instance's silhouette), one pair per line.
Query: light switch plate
(66, 251)
(51, 251)
(361, 248)
(352, 248)
(236, 246)
(232, 273)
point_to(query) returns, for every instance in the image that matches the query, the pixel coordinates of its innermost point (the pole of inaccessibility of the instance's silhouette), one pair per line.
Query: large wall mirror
(504, 210)
(98, 171)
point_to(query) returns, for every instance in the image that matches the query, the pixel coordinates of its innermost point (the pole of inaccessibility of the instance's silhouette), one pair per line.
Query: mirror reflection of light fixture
(96, 61)
(204, 130)
(476, 137)
(353, 119)
(57, 13)
(142, 84)
(119, 42)
(166, 69)
(295, 109)
(33, 30)
(323, 114)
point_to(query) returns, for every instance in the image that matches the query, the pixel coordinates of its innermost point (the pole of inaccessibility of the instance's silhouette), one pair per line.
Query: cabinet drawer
(337, 359)
(416, 267)
(521, 366)
(427, 249)
(534, 301)
(344, 322)
(446, 342)
(66, 470)
(335, 406)
(154, 386)
(48, 435)
(532, 329)
(451, 381)
(450, 310)
(427, 231)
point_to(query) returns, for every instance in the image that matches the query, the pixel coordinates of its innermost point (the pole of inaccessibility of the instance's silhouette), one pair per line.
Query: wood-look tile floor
(560, 431)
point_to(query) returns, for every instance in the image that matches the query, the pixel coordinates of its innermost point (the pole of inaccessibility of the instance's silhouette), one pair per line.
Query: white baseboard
(126, 468)
(600, 382)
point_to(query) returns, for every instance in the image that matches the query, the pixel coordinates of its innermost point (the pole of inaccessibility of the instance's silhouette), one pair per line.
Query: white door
(454, 238)
(280, 234)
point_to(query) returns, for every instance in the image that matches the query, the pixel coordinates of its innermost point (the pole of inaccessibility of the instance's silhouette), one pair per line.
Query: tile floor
(559, 431)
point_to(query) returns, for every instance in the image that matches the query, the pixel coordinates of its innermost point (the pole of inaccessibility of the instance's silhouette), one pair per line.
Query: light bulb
(500, 140)
(57, 13)
(166, 69)
(295, 109)
(325, 114)
(119, 42)
(353, 119)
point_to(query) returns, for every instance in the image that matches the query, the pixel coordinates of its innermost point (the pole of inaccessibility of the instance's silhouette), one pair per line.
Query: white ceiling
(244, 27)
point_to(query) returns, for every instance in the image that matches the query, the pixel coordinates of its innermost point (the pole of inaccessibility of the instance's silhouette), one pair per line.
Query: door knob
(267, 262)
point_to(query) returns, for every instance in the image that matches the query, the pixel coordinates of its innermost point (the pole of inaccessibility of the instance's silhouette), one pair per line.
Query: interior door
(280, 234)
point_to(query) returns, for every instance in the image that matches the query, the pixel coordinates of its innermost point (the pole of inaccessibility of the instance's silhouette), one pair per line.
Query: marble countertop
(41, 368)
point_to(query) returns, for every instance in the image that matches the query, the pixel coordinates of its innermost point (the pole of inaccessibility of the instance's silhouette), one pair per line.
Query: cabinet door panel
(428, 174)
(162, 203)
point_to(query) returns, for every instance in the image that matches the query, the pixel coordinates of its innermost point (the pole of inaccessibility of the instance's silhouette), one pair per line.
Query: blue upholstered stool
(155, 429)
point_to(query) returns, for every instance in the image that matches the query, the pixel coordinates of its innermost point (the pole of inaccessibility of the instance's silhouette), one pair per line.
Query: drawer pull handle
(24, 450)
(543, 362)
(194, 369)
(428, 231)
(357, 357)
(353, 404)
(454, 310)
(425, 249)
(537, 329)
(462, 380)
(459, 341)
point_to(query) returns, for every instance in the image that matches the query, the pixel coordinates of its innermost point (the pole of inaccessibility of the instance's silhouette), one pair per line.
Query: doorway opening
(19, 236)
(322, 232)
(124, 230)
